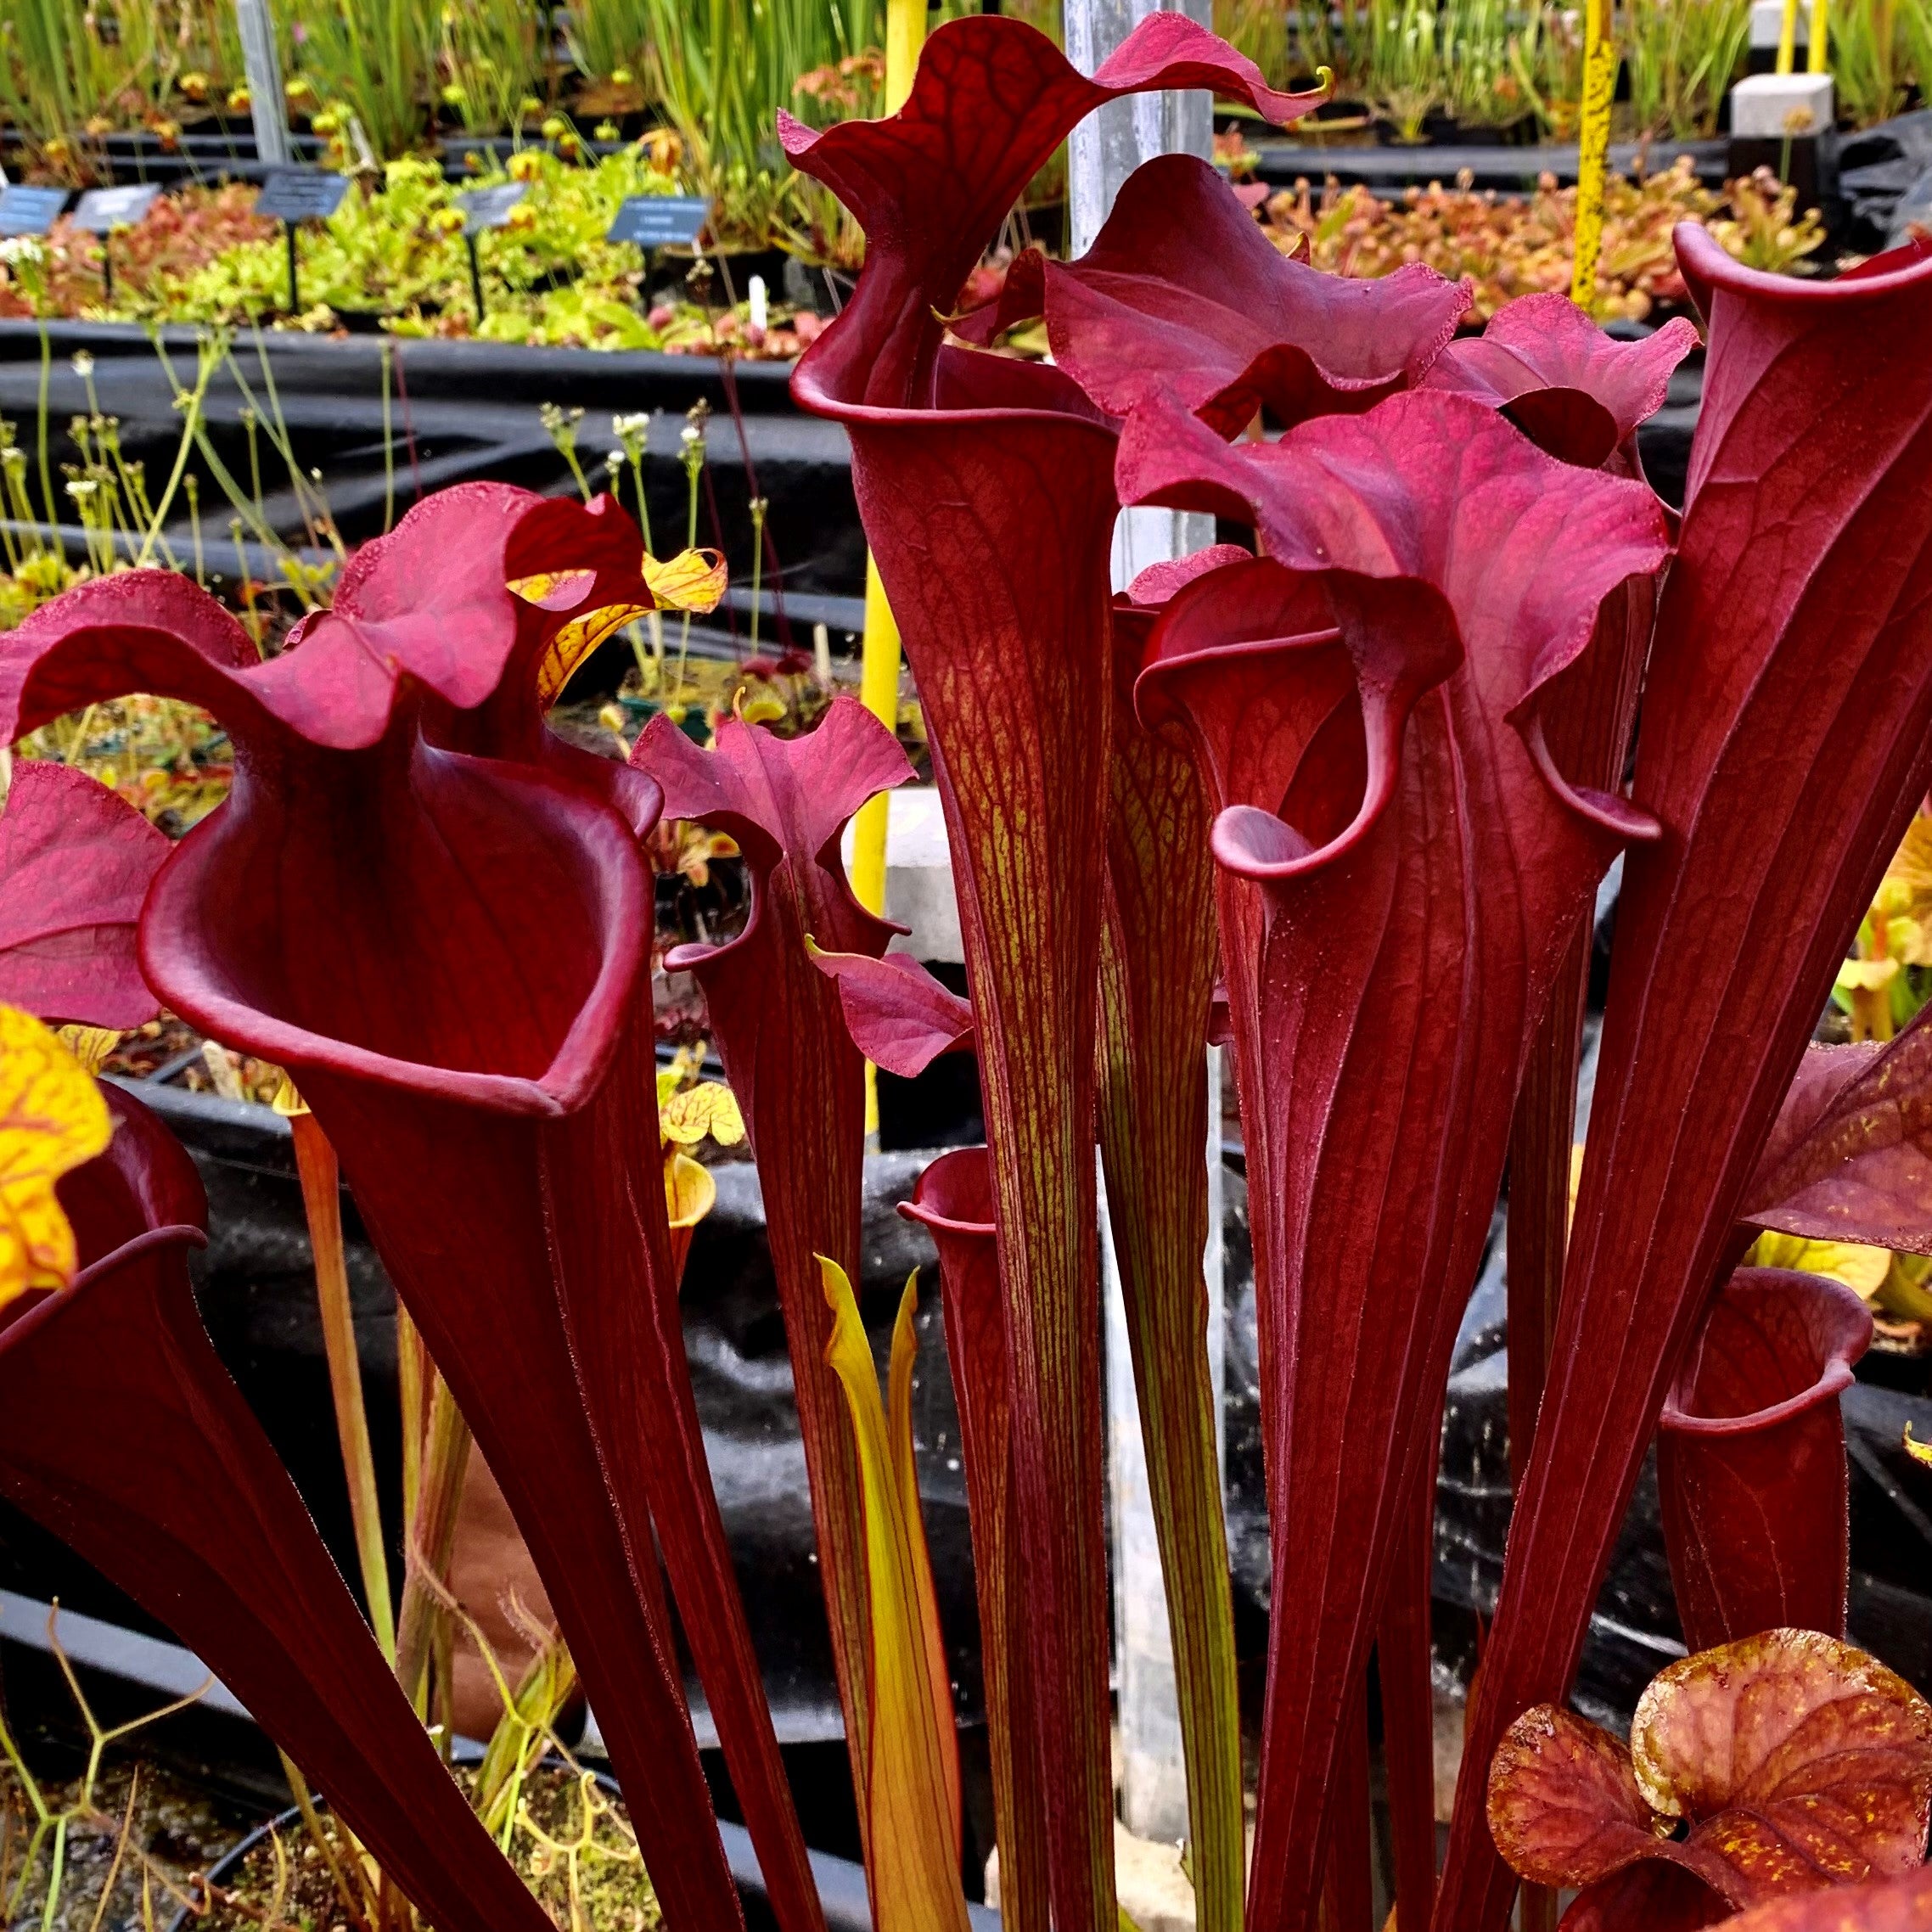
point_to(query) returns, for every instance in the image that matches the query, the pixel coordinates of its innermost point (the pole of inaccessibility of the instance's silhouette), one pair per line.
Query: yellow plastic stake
(904, 35)
(1593, 150)
(1821, 22)
(879, 691)
(879, 674)
(1787, 38)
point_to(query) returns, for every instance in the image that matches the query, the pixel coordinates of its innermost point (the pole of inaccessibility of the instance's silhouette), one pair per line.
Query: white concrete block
(1768, 107)
(1155, 1890)
(918, 876)
(1767, 25)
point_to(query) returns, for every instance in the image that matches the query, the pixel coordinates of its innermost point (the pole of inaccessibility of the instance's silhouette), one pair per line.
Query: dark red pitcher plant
(1782, 748)
(445, 946)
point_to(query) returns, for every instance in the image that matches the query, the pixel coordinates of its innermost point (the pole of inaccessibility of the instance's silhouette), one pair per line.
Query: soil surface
(584, 1868)
(174, 1832)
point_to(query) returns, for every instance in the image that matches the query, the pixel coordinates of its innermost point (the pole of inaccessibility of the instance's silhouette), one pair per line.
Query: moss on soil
(178, 1826)
(607, 1890)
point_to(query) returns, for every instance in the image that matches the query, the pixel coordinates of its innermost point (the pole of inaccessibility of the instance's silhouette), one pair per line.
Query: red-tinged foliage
(1564, 1804)
(1581, 396)
(899, 1016)
(797, 1078)
(1182, 291)
(447, 951)
(539, 583)
(1783, 746)
(1572, 390)
(1750, 1459)
(985, 487)
(121, 1433)
(1792, 1762)
(75, 860)
(1405, 1684)
(1905, 1905)
(1849, 1158)
(931, 185)
(912, 1836)
(953, 1201)
(1400, 871)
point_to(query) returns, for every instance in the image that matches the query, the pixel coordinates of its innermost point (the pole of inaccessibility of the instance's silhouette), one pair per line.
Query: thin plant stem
(643, 502)
(121, 1838)
(46, 466)
(654, 619)
(357, 1906)
(322, 1202)
(432, 1536)
(56, 1872)
(190, 401)
(757, 564)
(246, 510)
(250, 615)
(249, 423)
(388, 445)
(278, 429)
(192, 485)
(412, 1375)
(693, 468)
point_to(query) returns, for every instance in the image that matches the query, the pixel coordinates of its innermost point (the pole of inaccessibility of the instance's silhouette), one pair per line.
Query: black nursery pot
(674, 264)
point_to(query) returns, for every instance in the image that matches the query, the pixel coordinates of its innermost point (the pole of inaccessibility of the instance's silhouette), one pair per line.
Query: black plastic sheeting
(1506, 168)
(1885, 179)
(256, 1292)
(257, 1296)
(462, 411)
(459, 411)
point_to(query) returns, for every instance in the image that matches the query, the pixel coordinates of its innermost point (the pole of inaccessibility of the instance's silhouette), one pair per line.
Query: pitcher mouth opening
(448, 924)
(955, 1191)
(1835, 1330)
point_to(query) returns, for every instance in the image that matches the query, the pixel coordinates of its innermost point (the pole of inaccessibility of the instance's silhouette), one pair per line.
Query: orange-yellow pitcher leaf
(1563, 1807)
(914, 1869)
(1796, 1760)
(693, 580)
(575, 641)
(709, 1109)
(689, 1191)
(689, 1194)
(1920, 1451)
(751, 707)
(899, 1420)
(553, 590)
(1903, 1905)
(1863, 1270)
(89, 1045)
(52, 1119)
(1740, 1723)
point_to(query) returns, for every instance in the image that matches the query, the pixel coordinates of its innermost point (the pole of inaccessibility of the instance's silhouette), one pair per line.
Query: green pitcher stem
(322, 1201)
(1159, 1234)
(431, 1537)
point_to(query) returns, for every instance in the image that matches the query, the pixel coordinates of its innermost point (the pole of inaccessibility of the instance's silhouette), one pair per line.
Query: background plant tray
(1507, 166)
(471, 410)
(460, 412)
